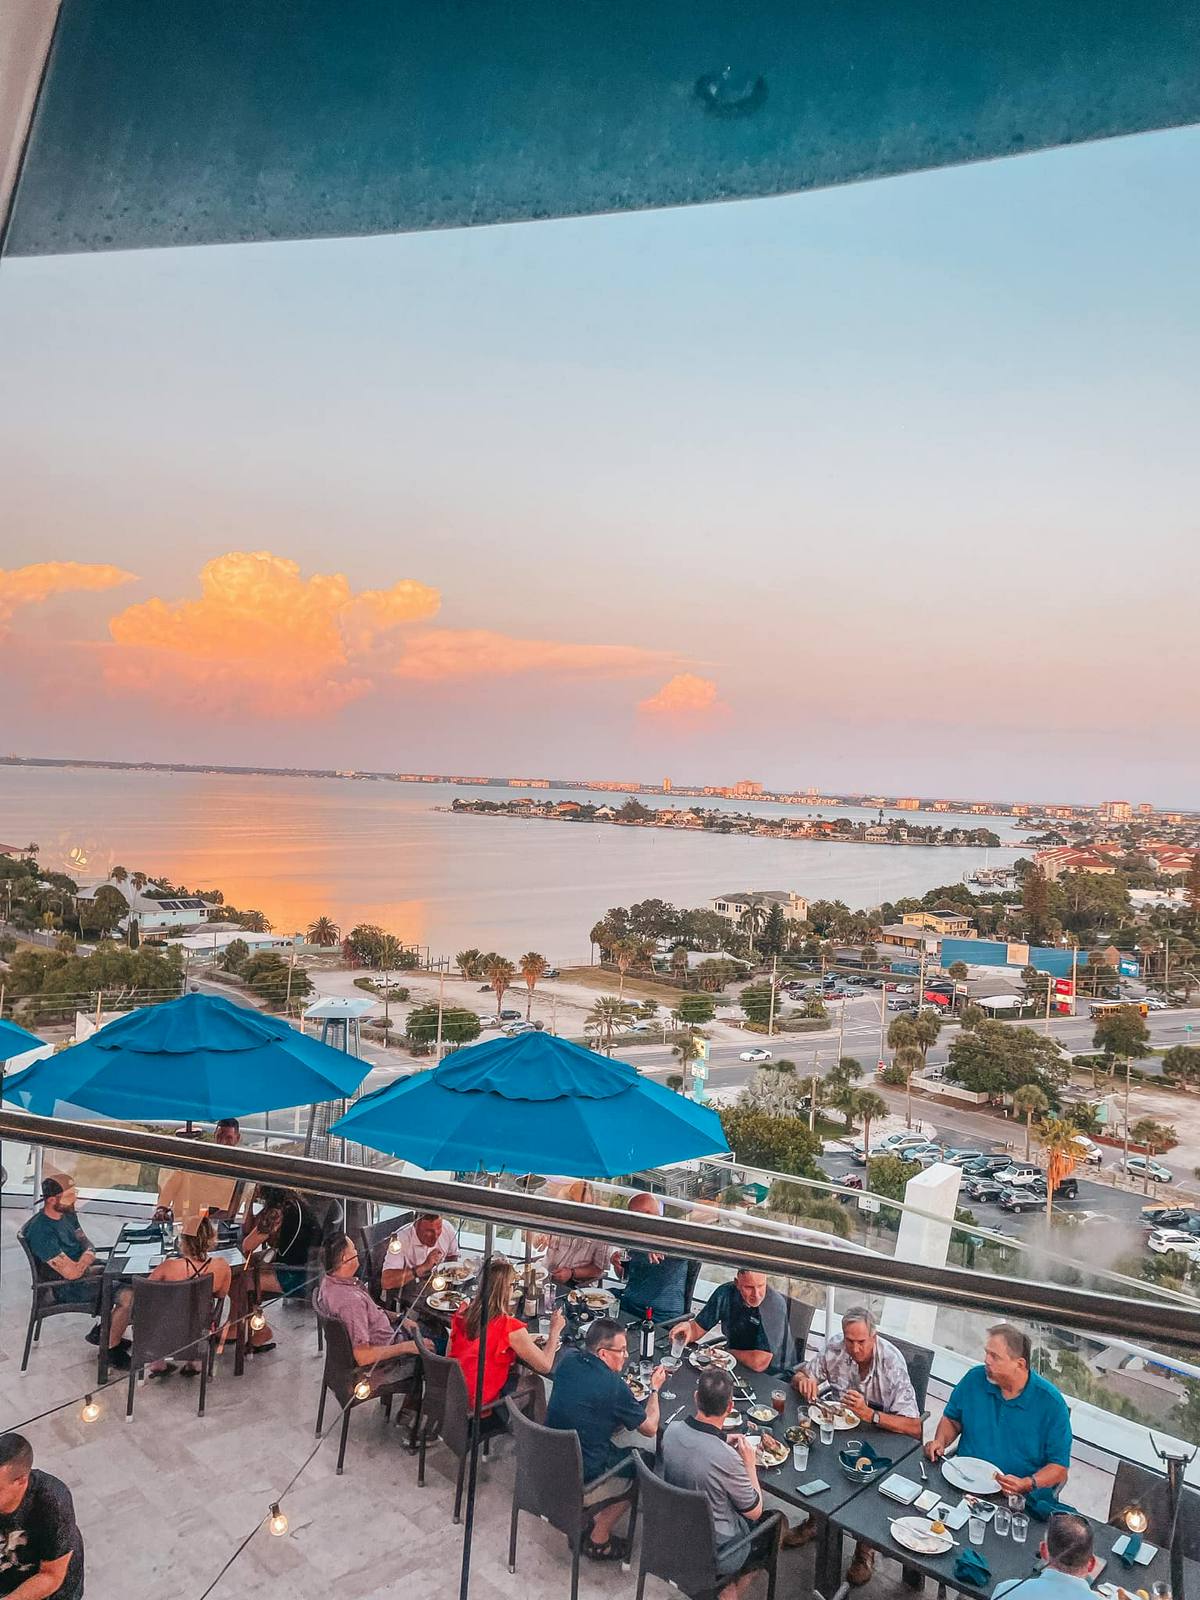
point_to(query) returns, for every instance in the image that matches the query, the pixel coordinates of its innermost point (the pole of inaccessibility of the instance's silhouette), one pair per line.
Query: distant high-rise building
(908, 804)
(746, 789)
(1116, 810)
(1145, 809)
(666, 785)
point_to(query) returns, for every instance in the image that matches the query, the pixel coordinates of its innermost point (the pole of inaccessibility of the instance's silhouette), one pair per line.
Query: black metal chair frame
(759, 1547)
(203, 1316)
(339, 1354)
(43, 1304)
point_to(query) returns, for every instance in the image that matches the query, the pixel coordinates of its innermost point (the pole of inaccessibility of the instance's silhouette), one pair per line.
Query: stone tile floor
(164, 1501)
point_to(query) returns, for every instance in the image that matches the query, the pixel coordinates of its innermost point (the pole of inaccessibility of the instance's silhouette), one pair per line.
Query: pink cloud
(685, 702)
(27, 586)
(439, 655)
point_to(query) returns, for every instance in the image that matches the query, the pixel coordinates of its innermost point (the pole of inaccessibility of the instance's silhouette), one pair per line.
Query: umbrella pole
(476, 1413)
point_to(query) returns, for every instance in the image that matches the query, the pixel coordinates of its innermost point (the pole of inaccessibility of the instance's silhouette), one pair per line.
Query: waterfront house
(945, 920)
(733, 906)
(154, 913)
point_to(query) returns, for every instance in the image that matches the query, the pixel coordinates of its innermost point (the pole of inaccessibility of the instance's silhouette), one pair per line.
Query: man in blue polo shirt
(1005, 1413)
(589, 1396)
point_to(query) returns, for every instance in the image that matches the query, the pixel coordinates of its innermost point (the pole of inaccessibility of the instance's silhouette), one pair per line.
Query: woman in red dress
(508, 1339)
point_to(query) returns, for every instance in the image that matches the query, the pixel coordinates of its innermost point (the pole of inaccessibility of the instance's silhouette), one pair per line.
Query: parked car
(1139, 1166)
(1155, 1002)
(926, 1153)
(985, 1190)
(1023, 1199)
(509, 1015)
(1165, 1240)
(902, 1005)
(756, 1053)
(645, 1025)
(1018, 1174)
(513, 1028)
(985, 1166)
(836, 994)
(958, 1158)
(1089, 1150)
(552, 972)
(1169, 1217)
(488, 1022)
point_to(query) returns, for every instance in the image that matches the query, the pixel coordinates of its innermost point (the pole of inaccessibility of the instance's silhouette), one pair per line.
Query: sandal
(163, 1371)
(613, 1550)
(259, 1349)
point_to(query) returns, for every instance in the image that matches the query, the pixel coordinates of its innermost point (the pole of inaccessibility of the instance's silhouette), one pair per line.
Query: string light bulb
(257, 1321)
(394, 1245)
(90, 1410)
(362, 1390)
(1136, 1520)
(437, 1284)
(279, 1522)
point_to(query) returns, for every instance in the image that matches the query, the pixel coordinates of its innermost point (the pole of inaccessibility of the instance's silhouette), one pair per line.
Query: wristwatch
(874, 1419)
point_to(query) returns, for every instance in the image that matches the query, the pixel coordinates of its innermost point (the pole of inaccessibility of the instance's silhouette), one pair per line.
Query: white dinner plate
(971, 1474)
(843, 1420)
(915, 1533)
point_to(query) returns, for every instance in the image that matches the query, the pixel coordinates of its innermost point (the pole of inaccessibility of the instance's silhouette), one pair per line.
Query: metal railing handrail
(1082, 1310)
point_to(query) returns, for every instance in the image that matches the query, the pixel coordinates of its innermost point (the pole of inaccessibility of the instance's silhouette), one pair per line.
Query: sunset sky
(888, 487)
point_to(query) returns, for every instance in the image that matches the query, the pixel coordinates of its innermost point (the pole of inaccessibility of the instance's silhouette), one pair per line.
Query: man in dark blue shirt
(754, 1319)
(41, 1551)
(67, 1260)
(590, 1396)
(653, 1282)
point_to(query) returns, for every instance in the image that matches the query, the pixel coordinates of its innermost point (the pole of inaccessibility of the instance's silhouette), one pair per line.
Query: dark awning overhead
(170, 122)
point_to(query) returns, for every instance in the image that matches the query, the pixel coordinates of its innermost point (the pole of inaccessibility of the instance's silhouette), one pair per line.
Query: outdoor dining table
(120, 1269)
(868, 1515)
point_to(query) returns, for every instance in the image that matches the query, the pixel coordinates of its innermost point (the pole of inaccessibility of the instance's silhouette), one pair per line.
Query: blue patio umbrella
(534, 1103)
(15, 1040)
(196, 1057)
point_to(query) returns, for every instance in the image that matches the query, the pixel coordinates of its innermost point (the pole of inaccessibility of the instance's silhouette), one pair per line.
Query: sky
(890, 487)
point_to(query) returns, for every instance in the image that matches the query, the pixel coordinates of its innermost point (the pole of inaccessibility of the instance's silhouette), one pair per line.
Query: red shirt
(498, 1357)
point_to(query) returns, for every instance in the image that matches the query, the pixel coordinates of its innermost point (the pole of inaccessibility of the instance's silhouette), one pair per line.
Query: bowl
(849, 1461)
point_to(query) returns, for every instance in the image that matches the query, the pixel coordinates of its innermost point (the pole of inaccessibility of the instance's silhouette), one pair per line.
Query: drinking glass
(800, 1456)
(1020, 1527)
(1160, 1591)
(1016, 1502)
(778, 1400)
(976, 1527)
(1002, 1519)
(826, 1431)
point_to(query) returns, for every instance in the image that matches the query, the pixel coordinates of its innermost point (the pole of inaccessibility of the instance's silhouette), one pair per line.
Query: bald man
(653, 1282)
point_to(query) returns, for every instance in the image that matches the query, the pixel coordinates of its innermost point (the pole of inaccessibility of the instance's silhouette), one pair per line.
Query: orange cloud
(442, 654)
(685, 701)
(27, 586)
(261, 638)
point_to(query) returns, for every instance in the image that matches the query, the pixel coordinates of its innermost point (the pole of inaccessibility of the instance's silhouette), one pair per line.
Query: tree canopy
(996, 1058)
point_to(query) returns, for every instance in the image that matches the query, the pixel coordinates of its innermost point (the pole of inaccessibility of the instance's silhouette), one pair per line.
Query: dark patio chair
(43, 1302)
(919, 1362)
(800, 1319)
(171, 1319)
(373, 1248)
(679, 1546)
(445, 1412)
(549, 1484)
(342, 1375)
(1147, 1490)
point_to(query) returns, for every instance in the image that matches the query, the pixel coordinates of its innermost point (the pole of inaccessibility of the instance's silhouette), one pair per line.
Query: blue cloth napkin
(1044, 1503)
(972, 1569)
(1129, 1555)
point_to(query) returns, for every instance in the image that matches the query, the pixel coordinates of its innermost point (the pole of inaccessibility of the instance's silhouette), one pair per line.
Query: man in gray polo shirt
(698, 1453)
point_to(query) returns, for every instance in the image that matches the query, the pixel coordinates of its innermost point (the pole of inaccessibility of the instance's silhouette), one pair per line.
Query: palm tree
(254, 922)
(138, 880)
(686, 1052)
(32, 849)
(118, 874)
(324, 931)
(928, 1024)
(467, 962)
(679, 963)
(608, 1011)
(500, 973)
(868, 1108)
(533, 966)
(753, 920)
(1030, 1102)
(624, 952)
(1057, 1140)
(908, 1058)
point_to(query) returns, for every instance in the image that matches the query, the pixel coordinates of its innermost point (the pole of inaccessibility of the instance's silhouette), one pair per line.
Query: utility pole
(1128, 1069)
(1049, 992)
(387, 1018)
(1074, 979)
(1166, 963)
(771, 1012)
(441, 1005)
(882, 1017)
(812, 1104)
(841, 1028)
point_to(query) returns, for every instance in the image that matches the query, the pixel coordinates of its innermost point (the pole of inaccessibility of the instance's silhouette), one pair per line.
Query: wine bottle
(646, 1335)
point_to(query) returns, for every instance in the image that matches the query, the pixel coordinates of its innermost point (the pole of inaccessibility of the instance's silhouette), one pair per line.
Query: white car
(645, 1025)
(488, 1022)
(1089, 1150)
(512, 1028)
(1153, 1003)
(1019, 1175)
(755, 1054)
(1164, 1240)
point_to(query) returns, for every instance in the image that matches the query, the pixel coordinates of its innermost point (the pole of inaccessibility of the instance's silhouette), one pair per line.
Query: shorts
(618, 1487)
(293, 1281)
(82, 1292)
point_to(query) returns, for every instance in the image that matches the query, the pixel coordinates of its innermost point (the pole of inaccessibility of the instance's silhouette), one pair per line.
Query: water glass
(1020, 1527)
(800, 1456)
(1002, 1519)
(976, 1528)
(826, 1431)
(1016, 1502)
